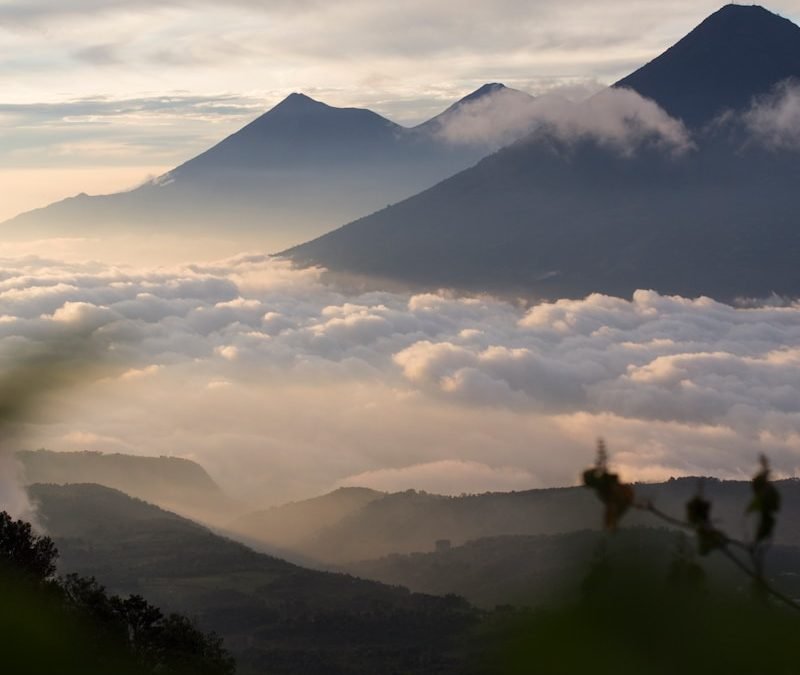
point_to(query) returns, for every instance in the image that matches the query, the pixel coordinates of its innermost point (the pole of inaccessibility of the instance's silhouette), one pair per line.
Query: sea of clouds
(284, 387)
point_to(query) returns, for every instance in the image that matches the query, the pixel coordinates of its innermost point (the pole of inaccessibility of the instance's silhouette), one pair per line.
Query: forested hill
(276, 617)
(408, 522)
(172, 482)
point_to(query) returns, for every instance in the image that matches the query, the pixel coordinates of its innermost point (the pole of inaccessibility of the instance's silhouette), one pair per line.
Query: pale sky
(98, 95)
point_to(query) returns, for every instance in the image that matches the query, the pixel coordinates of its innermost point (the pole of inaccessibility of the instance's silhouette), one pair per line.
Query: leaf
(698, 513)
(617, 496)
(766, 502)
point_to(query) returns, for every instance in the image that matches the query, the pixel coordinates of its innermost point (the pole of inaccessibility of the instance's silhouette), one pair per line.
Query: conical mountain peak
(736, 54)
(298, 102)
(485, 90)
(483, 93)
(566, 216)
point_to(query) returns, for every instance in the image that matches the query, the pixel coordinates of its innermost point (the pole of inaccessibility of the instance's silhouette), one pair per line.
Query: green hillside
(276, 617)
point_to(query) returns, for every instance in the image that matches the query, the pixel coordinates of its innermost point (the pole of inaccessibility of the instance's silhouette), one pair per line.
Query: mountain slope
(410, 522)
(297, 131)
(546, 569)
(734, 55)
(171, 482)
(490, 117)
(289, 525)
(550, 220)
(276, 617)
(297, 170)
(568, 213)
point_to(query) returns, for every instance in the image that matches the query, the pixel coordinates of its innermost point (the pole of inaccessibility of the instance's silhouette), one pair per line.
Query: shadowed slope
(294, 172)
(736, 54)
(171, 482)
(565, 213)
(276, 617)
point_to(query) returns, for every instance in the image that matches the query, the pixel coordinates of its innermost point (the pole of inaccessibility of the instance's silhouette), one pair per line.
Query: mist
(619, 118)
(283, 387)
(774, 120)
(31, 372)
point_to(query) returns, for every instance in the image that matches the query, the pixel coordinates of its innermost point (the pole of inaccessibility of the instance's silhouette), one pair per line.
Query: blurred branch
(618, 497)
(755, 574)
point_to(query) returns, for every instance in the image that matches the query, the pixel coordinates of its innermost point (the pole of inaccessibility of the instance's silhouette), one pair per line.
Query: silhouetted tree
(167, 645)
(24, 552)
(618, 497)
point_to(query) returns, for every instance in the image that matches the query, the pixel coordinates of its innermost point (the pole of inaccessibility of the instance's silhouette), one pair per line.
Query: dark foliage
(747, 556)
(633, 620)
(25, 553)
(121, 633)
(274, 616)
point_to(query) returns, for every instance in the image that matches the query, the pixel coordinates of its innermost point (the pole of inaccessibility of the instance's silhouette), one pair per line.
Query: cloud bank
(774, 120)
(285, 387)
(618, 118)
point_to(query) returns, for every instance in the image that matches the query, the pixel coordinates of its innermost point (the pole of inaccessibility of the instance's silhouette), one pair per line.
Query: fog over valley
(283, 387)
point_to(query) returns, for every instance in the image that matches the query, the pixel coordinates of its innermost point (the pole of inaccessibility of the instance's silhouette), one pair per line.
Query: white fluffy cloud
(619, 118)
(775, 119)
(284, 386)
(445, 477)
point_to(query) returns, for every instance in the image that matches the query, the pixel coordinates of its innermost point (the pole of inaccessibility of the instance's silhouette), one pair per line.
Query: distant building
(443, 545)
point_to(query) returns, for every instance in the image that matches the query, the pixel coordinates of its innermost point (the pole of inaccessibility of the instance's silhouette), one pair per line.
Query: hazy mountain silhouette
(171, 482)
(491, 94)
(296, 171)
(291, 524)
(410, 522)
(565, 214)
(737, 53)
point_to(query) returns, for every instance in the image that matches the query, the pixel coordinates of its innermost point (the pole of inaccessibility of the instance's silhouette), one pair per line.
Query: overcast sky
(136, 86)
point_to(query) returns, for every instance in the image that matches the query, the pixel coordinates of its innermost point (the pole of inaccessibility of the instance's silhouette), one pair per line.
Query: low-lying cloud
(283, 386)
(618, 118)
(775, 119)
(446, 476)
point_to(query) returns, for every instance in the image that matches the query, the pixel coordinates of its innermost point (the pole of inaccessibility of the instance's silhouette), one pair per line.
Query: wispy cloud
(618, 118)
(96, 131)
(775, 118)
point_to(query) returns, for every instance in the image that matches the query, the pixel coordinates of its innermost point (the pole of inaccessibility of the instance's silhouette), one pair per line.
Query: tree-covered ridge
(626, 595)
(275, 617)
(72, 622)
(411, 522)
(172, 482)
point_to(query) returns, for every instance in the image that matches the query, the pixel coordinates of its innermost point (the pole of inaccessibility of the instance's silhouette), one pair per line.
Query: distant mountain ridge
(171, 482)
(295, 171)
(411, 522)
(295, 132)
(288, 525)
(557, 215)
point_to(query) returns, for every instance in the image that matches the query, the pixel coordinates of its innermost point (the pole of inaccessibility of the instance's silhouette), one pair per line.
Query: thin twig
(725, 543)
(785, 599)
